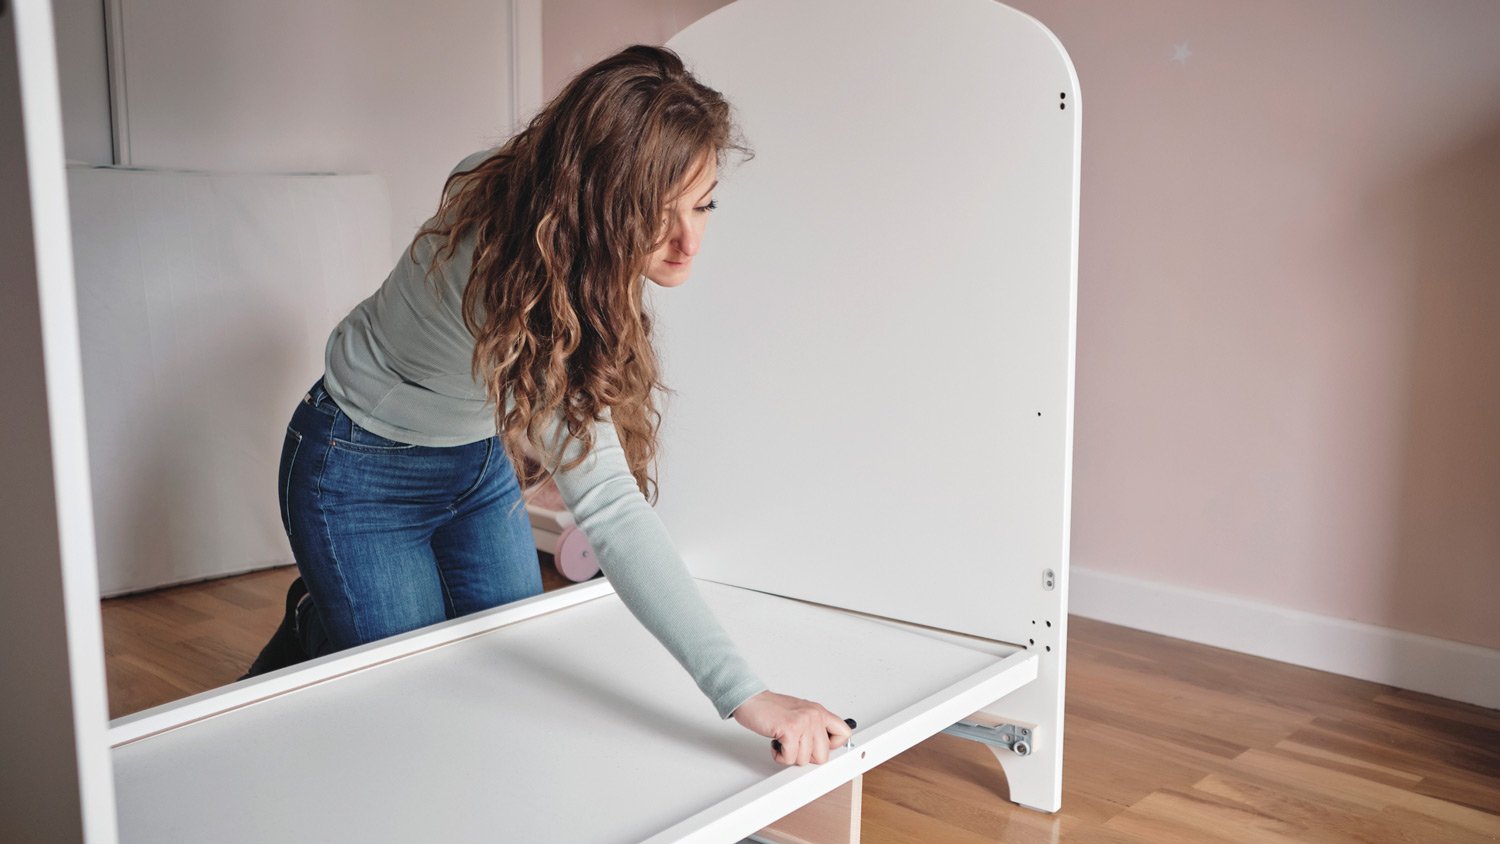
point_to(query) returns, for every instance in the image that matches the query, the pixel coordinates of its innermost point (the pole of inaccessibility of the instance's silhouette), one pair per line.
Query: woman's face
(685, 219)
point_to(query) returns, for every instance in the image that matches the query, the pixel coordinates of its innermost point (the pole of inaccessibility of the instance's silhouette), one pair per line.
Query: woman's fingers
(819, 743)
(802, 732)
(787, 755)
(830, 732)
(811, 741)
(808, 741)
(838, 732)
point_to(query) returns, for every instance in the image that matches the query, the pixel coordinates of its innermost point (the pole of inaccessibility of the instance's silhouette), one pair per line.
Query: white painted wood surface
(55, 777)
(874, 358)
(565, 726)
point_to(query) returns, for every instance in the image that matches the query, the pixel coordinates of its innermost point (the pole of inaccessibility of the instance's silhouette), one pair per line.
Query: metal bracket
(1009, 736)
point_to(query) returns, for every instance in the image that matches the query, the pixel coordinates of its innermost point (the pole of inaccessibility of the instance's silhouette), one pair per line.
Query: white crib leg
(1035, 779)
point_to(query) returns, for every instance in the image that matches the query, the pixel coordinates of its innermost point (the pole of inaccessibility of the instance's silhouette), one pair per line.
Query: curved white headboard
(874, 358)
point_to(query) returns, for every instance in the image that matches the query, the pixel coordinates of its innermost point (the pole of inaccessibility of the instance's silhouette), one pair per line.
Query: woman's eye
(712, 204)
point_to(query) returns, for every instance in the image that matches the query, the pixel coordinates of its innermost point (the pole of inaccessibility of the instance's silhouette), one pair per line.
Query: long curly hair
(563, 220)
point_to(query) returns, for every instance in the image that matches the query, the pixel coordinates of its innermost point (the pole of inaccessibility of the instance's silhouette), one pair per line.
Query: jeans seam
(338, 569)
(483, 512)
(365, 448)
(489, 455)
(362, 448)
(286, 496)
(450, 608)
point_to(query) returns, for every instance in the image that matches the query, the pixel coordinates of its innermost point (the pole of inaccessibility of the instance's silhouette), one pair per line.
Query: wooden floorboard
(1166, 740)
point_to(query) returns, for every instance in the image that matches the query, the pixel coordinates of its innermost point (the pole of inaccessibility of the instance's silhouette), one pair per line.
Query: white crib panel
(873, 362)
(573, 725)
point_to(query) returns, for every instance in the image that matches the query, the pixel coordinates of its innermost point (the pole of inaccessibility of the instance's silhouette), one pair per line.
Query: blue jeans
(390, 536)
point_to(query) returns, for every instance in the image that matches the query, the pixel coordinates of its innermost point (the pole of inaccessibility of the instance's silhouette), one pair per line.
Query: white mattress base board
(224, 700)
(774, 797)
(643, 753)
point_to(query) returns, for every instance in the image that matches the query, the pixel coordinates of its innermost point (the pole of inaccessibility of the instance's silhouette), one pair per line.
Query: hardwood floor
(1166, 741)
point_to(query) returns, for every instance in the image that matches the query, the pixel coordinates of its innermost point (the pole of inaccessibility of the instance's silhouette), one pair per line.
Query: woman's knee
(377, 614)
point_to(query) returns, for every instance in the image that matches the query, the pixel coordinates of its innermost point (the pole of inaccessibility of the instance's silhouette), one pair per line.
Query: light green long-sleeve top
(399, 365)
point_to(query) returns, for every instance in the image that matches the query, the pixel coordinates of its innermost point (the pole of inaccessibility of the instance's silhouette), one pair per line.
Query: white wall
(398, 89)
(577, 33)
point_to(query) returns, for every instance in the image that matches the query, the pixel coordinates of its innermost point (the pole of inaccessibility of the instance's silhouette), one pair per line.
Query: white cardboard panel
(403, 90)
(204, 303)
(874, 359)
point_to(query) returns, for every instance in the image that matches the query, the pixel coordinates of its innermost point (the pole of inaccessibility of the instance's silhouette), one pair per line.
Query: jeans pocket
(369, 442)
(289, 449)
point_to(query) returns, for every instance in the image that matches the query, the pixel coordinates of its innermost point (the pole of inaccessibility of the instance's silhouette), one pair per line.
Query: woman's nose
(686, 238)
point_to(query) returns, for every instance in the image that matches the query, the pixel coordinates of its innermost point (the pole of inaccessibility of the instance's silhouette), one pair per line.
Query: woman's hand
(805, 729)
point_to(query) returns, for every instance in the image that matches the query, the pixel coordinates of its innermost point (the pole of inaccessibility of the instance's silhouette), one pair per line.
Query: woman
(519, 309)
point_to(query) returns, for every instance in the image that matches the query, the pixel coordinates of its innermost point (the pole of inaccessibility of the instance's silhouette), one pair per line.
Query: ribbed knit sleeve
(638, 557)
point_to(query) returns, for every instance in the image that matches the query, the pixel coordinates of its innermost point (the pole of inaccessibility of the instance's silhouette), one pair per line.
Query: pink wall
(1289, 295)
(575, 33)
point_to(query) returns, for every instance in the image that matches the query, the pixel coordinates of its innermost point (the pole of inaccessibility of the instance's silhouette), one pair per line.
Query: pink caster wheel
(574, 557)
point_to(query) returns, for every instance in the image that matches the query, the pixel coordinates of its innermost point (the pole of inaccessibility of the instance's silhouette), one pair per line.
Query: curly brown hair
(563, 219)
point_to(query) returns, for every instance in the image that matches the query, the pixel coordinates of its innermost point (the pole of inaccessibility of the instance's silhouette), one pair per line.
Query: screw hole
(1049, 624)
(862, 754)
(1032, 641)
(1049, 649)
(1063, 95)
(1062, 105)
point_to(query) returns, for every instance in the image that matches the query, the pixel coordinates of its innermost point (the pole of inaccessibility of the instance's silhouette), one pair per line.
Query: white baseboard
(1453, 670)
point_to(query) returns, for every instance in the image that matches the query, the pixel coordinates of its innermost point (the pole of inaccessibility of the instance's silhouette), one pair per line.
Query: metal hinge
(1009, 736)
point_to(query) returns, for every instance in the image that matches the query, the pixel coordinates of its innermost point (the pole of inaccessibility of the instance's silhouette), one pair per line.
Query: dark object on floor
(284, 648)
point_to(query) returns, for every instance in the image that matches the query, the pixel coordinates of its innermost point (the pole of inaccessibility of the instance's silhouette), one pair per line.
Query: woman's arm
(648, 573)
(650, 577)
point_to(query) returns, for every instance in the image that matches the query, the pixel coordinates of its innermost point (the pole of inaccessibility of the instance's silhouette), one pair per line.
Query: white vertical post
(56, 782)
(1035, 780)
